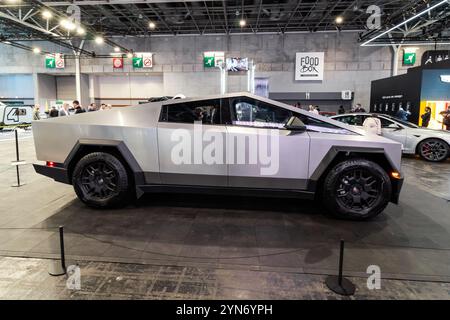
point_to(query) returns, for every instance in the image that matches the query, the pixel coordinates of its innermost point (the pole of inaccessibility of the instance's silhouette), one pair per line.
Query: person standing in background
(426, 117)
(446, 120)
(341, 110)
(359, 108)
(402, 114)
(64, 111)
(37, 112)
(77, 107)
(53, 112)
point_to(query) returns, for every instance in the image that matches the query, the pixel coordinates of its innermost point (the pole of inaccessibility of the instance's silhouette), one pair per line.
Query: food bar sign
(309, 66)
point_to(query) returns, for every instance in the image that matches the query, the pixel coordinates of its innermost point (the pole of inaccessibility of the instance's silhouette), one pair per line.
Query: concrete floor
(240, 243)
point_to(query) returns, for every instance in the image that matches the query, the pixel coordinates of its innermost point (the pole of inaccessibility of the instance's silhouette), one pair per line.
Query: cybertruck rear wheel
(434, 150)
(357, 189)
(101, 180)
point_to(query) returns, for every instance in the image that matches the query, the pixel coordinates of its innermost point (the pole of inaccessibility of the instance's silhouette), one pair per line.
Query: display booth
(420, 87)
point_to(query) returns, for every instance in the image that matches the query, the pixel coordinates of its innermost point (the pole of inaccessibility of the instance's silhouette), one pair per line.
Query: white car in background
(431, 145)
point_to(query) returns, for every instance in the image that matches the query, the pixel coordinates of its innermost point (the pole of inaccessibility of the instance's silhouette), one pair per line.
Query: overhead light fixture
(67, 24)
(46, 14)
(339, 20)
(36, 50)
(151, 25)
(406, 21)
(6, 42)
(129, 55)
(81, 31)
(242, 22)
(98, 39)
(116, 49)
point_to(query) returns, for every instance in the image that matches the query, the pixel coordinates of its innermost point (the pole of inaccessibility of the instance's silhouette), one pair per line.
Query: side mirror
(295, 124)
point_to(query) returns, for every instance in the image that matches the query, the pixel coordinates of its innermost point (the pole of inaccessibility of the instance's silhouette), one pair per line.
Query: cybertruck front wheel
(356, 189)
(101, 180)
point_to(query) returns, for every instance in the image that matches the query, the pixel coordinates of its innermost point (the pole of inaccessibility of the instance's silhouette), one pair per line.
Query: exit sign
(409, 58)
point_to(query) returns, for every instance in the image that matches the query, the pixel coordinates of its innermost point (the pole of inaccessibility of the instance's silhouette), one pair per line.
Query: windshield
(405, 123)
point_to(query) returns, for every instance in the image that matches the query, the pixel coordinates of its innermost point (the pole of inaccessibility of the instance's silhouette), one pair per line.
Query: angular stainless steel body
(301, 156)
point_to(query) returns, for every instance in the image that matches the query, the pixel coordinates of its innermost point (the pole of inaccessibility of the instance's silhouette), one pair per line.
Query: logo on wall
(213, 59)
(309, 66)
(54, 61)
(117, 63)
(433, 56)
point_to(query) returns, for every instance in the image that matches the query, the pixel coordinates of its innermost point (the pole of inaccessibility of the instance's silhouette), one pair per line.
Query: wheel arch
(114, 147)
(339, 154)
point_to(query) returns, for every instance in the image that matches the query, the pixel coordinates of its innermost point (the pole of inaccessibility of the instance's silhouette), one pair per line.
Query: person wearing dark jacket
(77, 107)
(53, 112)
(426, 117)
(341, 110)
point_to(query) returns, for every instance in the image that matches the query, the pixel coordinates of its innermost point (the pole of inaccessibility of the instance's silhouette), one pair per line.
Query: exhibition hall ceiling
(29, 19)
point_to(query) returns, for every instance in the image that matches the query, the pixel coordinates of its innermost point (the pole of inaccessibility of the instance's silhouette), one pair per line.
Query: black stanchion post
(18, 162)
(58, 268)
(339, 284)
(341, 261)
(17, 157)
(61, 245)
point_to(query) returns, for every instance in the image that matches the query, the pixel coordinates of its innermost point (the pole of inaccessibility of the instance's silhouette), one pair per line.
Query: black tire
(434, 150)
(356, 189)
(101, 180)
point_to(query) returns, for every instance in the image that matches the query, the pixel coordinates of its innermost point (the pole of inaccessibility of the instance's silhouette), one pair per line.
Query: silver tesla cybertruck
(226, 144)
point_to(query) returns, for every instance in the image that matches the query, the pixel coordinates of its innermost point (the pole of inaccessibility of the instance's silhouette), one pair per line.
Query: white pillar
(395, 58)
(78, 77)
(36, 88)
(223, 79)
(92, 88)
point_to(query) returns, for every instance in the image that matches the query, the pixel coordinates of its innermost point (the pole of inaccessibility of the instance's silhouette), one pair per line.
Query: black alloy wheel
(101, 180)
(356, 189)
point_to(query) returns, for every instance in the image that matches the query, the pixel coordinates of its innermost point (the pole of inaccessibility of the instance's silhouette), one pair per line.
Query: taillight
(50, 164)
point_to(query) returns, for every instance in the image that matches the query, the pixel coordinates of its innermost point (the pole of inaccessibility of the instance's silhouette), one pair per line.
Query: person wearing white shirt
(64, 111)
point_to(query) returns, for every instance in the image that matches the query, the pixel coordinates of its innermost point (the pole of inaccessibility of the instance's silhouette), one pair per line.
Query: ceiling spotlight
(242, 23)
(129, 55)
(116, 49)
(46, 14)
(36, 50)
(67, 24)
(339, 20)
(98, 39)
(81, 31)
(151, 25)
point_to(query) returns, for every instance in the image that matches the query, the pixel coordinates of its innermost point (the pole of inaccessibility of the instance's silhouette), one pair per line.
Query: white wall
(45, 89)
(126, 89)
(65, 88)
(16, 85)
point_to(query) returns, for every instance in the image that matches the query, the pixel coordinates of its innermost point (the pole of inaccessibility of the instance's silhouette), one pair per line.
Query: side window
(206, 111)
(250, 112)
(385, 123)
(352, 120)
(317, 125)
(346, 119)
